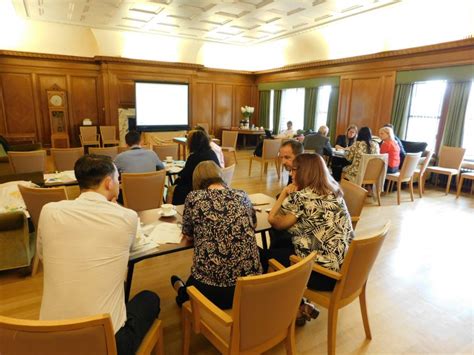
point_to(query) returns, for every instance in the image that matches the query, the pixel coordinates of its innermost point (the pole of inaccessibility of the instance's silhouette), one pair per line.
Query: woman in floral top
(363, 145)
(315, 214)
(221, 222)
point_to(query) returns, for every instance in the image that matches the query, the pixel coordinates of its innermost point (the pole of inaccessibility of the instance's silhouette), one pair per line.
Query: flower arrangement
(247, 111)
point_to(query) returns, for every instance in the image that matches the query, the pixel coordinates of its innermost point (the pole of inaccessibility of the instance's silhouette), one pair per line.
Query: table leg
(263, 235)
(128, 283)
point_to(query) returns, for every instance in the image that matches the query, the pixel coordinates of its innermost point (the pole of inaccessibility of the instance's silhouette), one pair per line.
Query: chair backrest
(354, 196)
(228, 173)
(167, 150)
(229, 139)
(375, 167)
(15, 248)
(107, 151)
(35, 198)
(88, 133)
(358, 262)
(229, 158)
(108, 132)
(271, 147)
(266, 305)
(426, 161)
(409, 166)
(143, 191)
(204, 125)
(88, 335)
(65, 158)
(27, 162)
(451, 157)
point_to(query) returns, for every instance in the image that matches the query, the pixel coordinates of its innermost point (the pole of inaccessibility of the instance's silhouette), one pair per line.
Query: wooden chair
(270, 151)
(65, 158)
(17, 246)
(35, 199)
(167, 150)
(229, 142)
(143, 191)
(405, 174)
(257, 321)
(351, 282)
(229, 158)
(27, 162)
(108, 135)
(227, 174)
(111, 152)
(354, 196)
(88, 136)
(87, 335)
(467, 176)
(374, 171)
(450, 160)
(420, 172)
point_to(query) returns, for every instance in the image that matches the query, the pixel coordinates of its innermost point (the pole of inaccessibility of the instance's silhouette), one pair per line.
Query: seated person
(312, 210)
(199, 150)
(287, 133)
(363, 145)
(137, 159)
(259, 148)
(343, 142)
(288, 152)
(85, 246)
(221, 222)
(216, 149)
(390, 146)
(399, 142)
(319, 142)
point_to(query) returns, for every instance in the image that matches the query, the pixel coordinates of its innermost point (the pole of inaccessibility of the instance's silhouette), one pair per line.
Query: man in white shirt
(287, 133)
(85, 246)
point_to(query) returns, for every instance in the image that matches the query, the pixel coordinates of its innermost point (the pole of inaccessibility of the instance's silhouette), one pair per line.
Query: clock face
(56, 100)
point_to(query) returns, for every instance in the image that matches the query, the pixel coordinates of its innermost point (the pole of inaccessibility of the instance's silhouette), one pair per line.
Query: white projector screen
(161, 106)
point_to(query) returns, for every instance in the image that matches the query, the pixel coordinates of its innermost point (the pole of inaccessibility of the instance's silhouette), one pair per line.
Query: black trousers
(142, 310)
(222, 297)
(281, 248)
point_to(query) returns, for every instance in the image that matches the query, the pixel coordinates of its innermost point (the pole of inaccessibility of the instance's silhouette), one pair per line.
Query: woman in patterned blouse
(221, 222)
(363, 145)
(313, 211)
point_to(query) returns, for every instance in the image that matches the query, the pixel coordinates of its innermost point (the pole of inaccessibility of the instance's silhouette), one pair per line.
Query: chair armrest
(198, 298)
(153, 336)
(227, 149)
(274, 265)
(355, 218)
(319, 269)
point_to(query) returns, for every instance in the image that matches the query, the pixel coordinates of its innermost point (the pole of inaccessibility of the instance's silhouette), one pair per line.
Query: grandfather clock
(57, 107)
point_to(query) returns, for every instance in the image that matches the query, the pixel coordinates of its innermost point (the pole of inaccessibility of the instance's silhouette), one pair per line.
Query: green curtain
(457, 105)
(310, 99)
(264, 109)
(276, 110)
(332, 113)
(401, 107)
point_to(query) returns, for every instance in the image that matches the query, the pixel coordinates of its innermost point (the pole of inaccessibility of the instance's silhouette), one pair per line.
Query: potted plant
(247, 112)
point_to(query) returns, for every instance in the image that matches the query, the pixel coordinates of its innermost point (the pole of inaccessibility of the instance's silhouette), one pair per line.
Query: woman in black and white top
(221, 222)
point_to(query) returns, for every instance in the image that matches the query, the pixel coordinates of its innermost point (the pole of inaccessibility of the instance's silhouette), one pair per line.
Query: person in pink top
(390, 146)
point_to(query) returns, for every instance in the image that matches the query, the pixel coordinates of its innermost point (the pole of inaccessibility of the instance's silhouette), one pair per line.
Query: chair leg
(235, 157)
(332, 329)
(411, 189)
(34, 269)
(186, 319)
(377, 192)
(399, 187)
(420, 186)
(290, 342)
(262, 165)
(448, 184)
(461, 181)
(277, 167)
(159, 347)
(365, 316)
(250, 165)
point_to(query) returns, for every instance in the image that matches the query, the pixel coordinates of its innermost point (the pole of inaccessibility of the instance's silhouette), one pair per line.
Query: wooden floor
(420, 295)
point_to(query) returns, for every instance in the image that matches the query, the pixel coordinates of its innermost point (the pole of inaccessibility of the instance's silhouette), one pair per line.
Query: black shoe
(309, 311)
(174, 280)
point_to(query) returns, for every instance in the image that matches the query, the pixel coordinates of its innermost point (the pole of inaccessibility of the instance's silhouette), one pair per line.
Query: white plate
(171, 214)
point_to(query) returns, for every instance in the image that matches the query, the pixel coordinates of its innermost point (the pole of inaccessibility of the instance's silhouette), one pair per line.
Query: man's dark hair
(91, 169)
(296, 147)
(198, 141)
(132, 138)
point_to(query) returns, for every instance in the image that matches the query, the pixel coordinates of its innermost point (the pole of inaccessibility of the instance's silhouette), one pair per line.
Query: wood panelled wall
(97, 87)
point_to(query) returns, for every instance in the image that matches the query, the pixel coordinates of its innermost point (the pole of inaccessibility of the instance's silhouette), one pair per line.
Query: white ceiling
(238, 22)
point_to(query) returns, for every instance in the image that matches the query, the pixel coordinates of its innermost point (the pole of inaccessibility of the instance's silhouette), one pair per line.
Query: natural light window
(468, 133)
(425, 112)
(292, 108)
(322, 106)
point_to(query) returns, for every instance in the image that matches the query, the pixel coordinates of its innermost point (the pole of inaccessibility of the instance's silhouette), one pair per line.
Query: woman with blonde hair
(390, 146)
(221, 223)
(313, 211)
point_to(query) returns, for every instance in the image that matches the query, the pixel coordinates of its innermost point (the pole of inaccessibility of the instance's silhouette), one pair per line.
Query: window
(425, 111)
(468, 133)
(322, 106)
(292, 108)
